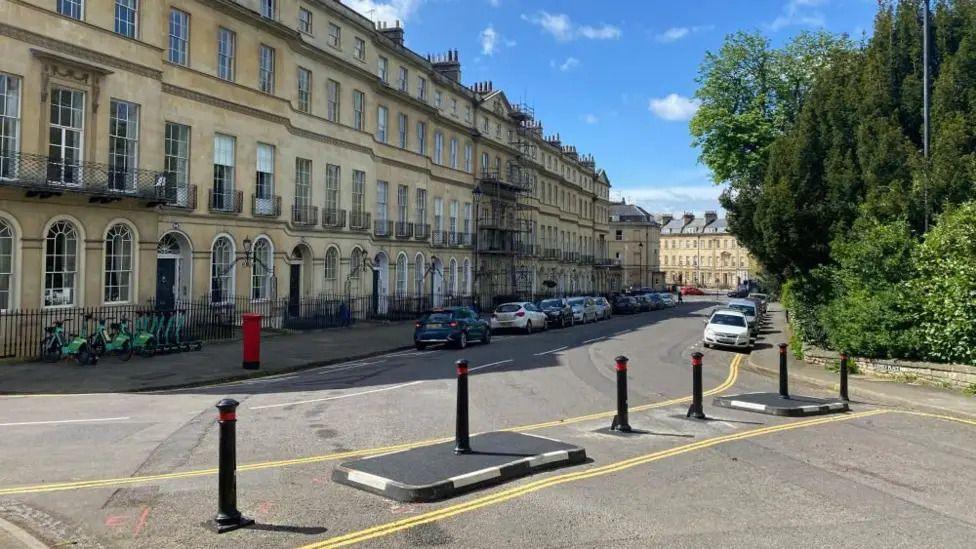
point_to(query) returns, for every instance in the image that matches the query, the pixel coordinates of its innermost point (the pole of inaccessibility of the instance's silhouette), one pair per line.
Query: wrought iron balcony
(421, 231)
(552, 253)
(404, 229)
(333, 218)
(439, 239)
(304, 215)
(465, 240)
(46, 176)
(359, 221)
(225, 202)
(265, 206)
(186, 198)
(383, 228)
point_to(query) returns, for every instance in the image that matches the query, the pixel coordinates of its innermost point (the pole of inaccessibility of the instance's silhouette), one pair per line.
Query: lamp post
(640, 246)
(476, 195)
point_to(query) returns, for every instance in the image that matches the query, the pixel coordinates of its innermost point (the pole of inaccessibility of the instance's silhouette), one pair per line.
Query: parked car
(643, 305)
(455, 325)
(691, 290)
(522, 315)
(668, 299)
(727, 328)
(625, 305)
(750, 310)
(584, 310)
(762, 298)
(603, 309)
(655, 300)
(558, 312)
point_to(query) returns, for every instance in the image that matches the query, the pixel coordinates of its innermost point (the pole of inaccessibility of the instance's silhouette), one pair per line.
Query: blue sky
(616, 83)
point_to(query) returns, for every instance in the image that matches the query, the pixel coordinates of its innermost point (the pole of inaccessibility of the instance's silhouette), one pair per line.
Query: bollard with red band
(696, 410)
(621, 421)
(461, 443)
(251, 328)
(843, 376)
(784, 389)
(228, 517)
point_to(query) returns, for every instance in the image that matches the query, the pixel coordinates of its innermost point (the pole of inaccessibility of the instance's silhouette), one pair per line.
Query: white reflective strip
(63, 421)
(476, 368)
(747, 405)
(548, 457)
(338, 397)
(368, 479)
(476, 477)
(552, 351)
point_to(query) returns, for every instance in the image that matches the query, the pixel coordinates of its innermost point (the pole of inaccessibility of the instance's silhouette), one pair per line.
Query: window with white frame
(403, 193)
(331, 264)
(61, 265)
(123, 145)
(222, 271)
(9, 124)
(421, 206)
(402, 128)
(438, 214)
(358, 110)
(484, 163)
(176, 159)
(438, 98)
(454, 153)
(6, 264)
(454, 105)
(223, 172)
(332, 100)
(179, 37)
(304, 21)
(468, 152)
(382, 114)
(419, 273)
(303, 183)
(404, 80)
(126, 17)
(264, 180)
(304, 89)
(335, 36)
(262, 270)
(438, 148)
(266, 69)
(332, 173)
(269, 8)
(421, 88)
(118, 264)
(359, 48)
(452, 220)
(467, 218)
(382, 194)
(226, 53)
(74, 9)
(401, 275)
(66, 135)
(422, 137)
(358, 192)
(452, 277)
(383, 68)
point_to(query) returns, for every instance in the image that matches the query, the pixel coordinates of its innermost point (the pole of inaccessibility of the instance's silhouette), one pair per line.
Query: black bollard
(461, 443)
(228, 517)
(843, 376)
(784, 390)
(620, 421)
(695, 410)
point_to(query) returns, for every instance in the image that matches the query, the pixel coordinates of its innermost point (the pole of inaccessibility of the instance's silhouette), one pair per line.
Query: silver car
(584, 309)
(603, 309)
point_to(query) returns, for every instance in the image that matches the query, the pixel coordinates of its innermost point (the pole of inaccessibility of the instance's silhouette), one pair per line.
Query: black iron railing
(404, 229)
(359, 221)
(383, 228)
(306, 216)
(333, 218)
(225, 202)
(421, 231)
(439, 238)
(265, 206)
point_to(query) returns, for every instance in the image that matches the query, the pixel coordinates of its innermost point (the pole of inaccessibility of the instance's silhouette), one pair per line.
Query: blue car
(454, 326)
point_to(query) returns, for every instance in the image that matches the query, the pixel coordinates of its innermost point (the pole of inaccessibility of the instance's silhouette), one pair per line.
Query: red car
(691, 290)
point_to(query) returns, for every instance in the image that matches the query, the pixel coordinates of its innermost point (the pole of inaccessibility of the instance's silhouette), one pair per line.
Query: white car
(727, 328)
(584, 309)
(518, 316)
(748, 308)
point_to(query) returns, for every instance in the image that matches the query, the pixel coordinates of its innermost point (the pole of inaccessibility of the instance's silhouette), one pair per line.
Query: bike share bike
(58, 345)
(118, 342)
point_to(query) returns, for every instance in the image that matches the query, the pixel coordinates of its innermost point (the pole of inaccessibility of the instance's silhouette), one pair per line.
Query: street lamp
(640, 245)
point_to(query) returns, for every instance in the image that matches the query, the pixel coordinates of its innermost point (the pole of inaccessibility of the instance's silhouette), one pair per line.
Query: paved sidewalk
(869, 388)
(215, 363)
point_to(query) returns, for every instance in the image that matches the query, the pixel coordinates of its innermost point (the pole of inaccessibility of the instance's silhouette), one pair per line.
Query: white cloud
(388, 11)
(562, 28)
(696, 197)
(674, 107)
(569, 64)
(489, 40)
(799, 13)
(674, 34)
(591, 118)
(495, 3)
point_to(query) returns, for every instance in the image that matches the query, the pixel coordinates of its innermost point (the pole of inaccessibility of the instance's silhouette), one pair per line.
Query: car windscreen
(440, 316)
(508, 308)
(548, 303)
(749, 310)
(577, 301)
(728, 320)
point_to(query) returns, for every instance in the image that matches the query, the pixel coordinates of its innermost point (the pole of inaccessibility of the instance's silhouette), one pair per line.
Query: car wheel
(463, 341)
(528, 327)
(486, 338)
(562, 322)
(419, 346)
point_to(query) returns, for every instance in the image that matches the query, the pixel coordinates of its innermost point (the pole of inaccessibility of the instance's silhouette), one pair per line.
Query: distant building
(634, 247)
(702, 252)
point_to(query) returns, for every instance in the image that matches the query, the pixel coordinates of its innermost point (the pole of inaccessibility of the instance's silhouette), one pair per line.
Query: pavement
(215, 363)
(137, 470)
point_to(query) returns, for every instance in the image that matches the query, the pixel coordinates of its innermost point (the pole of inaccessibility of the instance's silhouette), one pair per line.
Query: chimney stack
(710, 217)
(688, 217)
(393, 33)
(448, 65)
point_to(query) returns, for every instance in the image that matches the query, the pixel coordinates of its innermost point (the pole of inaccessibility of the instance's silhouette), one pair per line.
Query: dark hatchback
(625, 305)
(455, 326)
(558, 312)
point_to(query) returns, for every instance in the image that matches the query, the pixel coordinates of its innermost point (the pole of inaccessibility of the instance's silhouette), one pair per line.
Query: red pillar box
(251, 326)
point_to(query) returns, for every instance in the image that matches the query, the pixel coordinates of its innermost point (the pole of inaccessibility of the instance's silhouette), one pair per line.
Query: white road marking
(552, 351)
(349, 366)
(468, 479)
(621, 332)
(310, 401)
(61, 421)
(595, 339)
(368, 479)
(476, 368)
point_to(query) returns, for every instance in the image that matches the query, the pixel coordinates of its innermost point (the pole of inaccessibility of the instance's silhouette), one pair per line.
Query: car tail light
(419, 324)
(520, 314)
(453, 324)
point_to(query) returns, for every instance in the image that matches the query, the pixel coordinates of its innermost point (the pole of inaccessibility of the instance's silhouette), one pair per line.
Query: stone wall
(959, 376)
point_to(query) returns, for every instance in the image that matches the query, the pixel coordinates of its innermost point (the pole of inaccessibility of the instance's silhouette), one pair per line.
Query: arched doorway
(382, 265)
(299, 269)
(437, 278)
(174, 267)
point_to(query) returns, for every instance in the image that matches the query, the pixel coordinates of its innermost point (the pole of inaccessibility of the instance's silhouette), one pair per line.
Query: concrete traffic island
(778, 405)
(436, 472)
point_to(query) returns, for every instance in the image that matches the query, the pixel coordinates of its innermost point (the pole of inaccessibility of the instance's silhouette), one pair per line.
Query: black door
(294, 289)
(165, 283)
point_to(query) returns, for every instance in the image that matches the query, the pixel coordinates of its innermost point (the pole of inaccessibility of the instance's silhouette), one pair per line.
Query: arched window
(61, 265)
(419, 270)
(118, 264)
(466, 278)
(6, 264)
(401, 275)
(331, 264)
(222, 270)
(355, 263)
(452, 276)
(262, 269)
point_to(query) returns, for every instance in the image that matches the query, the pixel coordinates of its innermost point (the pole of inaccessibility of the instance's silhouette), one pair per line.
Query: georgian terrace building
(702, 252)
(144, 146)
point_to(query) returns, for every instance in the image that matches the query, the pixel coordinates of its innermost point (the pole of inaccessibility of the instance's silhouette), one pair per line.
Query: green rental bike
(118, 342)
(58, 345)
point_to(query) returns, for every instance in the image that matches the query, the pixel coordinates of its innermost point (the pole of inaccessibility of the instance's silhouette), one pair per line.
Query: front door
(165, 283)
(294, 289)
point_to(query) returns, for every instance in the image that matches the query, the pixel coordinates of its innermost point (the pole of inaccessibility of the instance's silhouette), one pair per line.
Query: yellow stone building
(146, 146)
(635, 247)
(701, 252)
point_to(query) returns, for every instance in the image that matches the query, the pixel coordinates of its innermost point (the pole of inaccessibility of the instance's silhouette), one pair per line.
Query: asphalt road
(137, 470)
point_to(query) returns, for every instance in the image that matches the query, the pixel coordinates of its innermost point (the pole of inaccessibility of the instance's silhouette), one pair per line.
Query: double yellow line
(506, 495)
(103, 483)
